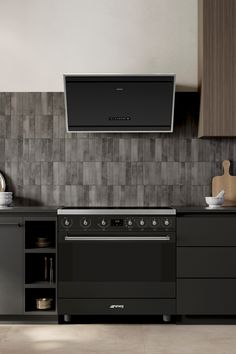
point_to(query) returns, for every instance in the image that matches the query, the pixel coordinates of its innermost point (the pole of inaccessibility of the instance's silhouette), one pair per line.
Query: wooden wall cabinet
(217, 67)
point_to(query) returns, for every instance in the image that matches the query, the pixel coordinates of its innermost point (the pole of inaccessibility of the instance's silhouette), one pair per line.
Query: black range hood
(119, 103)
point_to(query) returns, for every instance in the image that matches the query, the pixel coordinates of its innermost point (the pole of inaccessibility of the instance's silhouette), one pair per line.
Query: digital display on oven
(117, 222)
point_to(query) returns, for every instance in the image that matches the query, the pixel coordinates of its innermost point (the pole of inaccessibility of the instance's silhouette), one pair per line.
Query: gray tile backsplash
(45, 165)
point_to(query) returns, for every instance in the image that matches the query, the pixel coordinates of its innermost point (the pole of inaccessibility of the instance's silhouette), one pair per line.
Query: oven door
(116, 267)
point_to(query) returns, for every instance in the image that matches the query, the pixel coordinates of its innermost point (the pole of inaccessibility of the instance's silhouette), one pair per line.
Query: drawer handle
(128, 238)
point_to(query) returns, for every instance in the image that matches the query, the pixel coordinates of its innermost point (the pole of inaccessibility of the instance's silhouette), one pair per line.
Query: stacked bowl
(5, 199)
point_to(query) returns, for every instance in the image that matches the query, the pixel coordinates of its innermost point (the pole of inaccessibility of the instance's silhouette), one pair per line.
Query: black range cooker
(116, 261)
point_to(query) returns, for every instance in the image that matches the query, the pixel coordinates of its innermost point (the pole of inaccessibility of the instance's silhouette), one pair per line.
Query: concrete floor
(118, 339)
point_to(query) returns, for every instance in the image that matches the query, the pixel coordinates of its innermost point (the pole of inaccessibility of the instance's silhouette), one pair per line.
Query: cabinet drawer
(206, 230)
(128, 306)
(206, 262)
(206, 296)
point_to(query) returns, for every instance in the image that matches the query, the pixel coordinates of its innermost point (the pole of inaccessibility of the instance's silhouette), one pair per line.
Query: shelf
(40, 250)
(39, 261)
(40, 285)
(41, 312)
(34, 293)
(39, 229)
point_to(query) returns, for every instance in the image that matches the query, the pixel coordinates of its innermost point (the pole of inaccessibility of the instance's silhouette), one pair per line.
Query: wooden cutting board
(227, 183)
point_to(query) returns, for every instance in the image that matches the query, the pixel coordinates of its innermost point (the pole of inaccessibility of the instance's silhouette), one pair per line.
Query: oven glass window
(102, 261)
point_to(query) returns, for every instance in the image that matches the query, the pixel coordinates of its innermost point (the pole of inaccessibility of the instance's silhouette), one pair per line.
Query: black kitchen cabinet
(11, 265)
(206, 296)
(206, 230)
(206, 264)
(22, 263)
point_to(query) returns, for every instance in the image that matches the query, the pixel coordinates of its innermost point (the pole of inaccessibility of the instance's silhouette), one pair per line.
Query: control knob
(141, 222)
(130, 222)
(85, 222)
(166, 222)
(103, 223)
(154, 222)
(66, 222)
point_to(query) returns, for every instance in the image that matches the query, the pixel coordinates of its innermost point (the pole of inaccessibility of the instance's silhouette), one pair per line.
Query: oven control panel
(117, 223)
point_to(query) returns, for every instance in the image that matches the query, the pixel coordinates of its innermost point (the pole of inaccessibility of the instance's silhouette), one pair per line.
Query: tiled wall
(45, 165)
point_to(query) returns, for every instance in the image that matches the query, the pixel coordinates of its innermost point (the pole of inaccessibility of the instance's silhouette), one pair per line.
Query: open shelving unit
(40, 264)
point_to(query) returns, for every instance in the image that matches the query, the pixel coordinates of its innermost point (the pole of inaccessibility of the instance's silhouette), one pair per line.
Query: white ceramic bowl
(6, 196)
(6, 199)
(214, 202)
(5, 203)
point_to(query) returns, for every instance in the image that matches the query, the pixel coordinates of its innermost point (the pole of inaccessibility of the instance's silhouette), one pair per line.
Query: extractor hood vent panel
(119, 103)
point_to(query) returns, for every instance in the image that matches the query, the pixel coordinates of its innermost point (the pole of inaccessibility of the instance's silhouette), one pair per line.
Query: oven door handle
(117, 238)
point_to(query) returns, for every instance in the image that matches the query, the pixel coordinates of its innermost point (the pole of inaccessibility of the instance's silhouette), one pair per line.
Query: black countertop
(29, 209)
(205, 210)
(179, 209)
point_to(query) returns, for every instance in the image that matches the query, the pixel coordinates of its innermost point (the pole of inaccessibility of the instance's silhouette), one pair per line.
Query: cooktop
(127, 208)
(116, 211)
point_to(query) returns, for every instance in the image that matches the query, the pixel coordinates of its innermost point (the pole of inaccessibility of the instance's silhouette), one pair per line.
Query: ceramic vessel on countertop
(216, 202)
(5, 199)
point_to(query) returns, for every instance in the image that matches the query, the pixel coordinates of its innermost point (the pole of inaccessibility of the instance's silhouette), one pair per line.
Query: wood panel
(217, 67)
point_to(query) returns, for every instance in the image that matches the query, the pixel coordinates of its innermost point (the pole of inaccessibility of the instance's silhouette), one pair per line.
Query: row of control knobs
(130, 222)
(143, 223)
